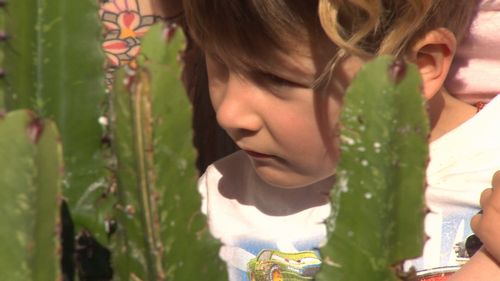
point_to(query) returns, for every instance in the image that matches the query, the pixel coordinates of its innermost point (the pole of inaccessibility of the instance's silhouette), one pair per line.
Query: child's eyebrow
(298, 80)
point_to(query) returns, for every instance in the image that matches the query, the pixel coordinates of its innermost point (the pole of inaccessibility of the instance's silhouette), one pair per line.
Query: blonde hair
(374, 27)
(243, 30)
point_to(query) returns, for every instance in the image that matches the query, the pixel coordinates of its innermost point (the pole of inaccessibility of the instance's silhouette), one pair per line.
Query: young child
(276, 94)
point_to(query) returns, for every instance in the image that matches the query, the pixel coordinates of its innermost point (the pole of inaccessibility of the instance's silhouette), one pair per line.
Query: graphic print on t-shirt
(259, 260)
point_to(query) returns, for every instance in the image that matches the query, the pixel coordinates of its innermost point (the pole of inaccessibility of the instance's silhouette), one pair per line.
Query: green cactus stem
(161, 233)
(137, 250)
(30, 177)
(378, 208)
(190, 253)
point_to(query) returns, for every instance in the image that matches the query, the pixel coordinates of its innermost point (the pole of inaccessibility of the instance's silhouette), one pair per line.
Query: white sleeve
(203, 190)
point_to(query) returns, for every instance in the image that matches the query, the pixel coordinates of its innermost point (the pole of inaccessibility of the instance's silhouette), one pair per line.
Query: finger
(474, 222)
(495, 181)
(494, 200)
(485, 197)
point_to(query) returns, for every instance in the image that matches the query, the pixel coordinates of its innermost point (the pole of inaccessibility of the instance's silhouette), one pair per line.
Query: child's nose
(237, 112)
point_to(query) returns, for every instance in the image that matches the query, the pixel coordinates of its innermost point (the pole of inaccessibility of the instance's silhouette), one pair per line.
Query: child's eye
(278, 81)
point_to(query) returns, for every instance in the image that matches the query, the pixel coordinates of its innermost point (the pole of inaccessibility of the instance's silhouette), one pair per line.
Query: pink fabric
(475, 73)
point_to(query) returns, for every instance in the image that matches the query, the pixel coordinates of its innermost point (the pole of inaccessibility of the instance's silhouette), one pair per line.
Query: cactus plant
(378, 210)
(160, 233)
(46, 75)
(31, 179)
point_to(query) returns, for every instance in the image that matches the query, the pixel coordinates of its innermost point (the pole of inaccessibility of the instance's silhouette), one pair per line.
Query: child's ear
(433, 53)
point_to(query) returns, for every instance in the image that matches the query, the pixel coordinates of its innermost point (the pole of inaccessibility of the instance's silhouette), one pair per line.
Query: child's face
(288, 129)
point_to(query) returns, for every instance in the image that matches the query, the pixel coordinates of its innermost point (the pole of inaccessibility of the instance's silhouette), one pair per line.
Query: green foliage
(30, 179)
(54, 66)
(378, 207)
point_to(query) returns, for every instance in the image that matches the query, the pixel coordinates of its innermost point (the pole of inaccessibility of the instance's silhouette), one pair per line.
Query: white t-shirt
(461, 166)
(462, 163)
(231, 197)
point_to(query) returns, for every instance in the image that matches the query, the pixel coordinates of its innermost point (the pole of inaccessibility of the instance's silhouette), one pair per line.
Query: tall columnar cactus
(161, 233)
(378, 209)
(30, 179)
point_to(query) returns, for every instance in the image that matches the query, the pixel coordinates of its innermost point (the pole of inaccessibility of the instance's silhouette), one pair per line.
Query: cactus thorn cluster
(106, 141)
(3, 36)
(397, 70)
(35, 129)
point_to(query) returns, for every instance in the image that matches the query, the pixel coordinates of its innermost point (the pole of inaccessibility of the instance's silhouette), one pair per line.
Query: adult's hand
(487, 224)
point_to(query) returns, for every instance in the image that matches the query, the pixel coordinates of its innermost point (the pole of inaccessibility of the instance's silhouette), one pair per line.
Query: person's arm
(485, 264)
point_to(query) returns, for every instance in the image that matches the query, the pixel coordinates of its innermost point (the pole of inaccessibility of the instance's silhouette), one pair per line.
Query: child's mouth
(257, 154)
